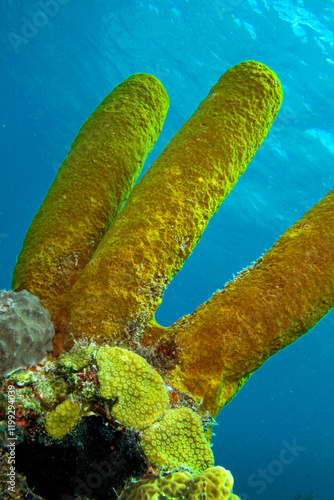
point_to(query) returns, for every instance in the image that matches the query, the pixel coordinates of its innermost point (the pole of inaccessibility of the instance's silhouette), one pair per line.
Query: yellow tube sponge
(265, 308)
(139, 391)
(63, 419)
(177, 441)
(90, 188)
(169, 208)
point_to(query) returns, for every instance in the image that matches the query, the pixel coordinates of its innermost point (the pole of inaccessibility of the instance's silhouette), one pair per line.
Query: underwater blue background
(57, 66)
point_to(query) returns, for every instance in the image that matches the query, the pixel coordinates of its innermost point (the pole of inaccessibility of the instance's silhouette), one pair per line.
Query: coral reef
(54, 402)
(135, 398)
(26, 331)
(124, 388)
(92, 461)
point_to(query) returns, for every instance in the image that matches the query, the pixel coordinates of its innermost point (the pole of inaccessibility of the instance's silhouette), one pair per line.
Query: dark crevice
(94, 462)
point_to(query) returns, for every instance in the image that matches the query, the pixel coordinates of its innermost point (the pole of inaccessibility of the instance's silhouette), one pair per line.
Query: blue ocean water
(59, 58)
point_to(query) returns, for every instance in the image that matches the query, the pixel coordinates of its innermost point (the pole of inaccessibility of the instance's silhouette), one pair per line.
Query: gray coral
(26, 331)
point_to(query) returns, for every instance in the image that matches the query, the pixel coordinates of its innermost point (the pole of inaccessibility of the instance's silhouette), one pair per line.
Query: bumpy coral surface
(26, 331)
(139, 391)
(63, 419)
(105, 383)
(77, 359)
(215, 483)
(178, 441)
(173, 485)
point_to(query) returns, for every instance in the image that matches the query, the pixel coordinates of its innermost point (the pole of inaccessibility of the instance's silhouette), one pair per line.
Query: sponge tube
(265, 308)
(169, 208)
(90, 188)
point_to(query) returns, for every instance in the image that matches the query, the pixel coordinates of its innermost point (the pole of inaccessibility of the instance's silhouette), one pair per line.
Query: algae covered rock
(26, 331)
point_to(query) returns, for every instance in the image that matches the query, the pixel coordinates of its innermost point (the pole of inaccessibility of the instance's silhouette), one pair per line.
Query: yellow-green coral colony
(77, 359)
(63, 419)
(178, 441)
(215, 483)
(139, 390)
(170, 438)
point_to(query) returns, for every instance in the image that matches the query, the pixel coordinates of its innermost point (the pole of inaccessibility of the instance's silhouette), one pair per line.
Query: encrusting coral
(177, 441)
(139, 391)
(99, 255)
(215, 483)
(63, 419)
(119, 386)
